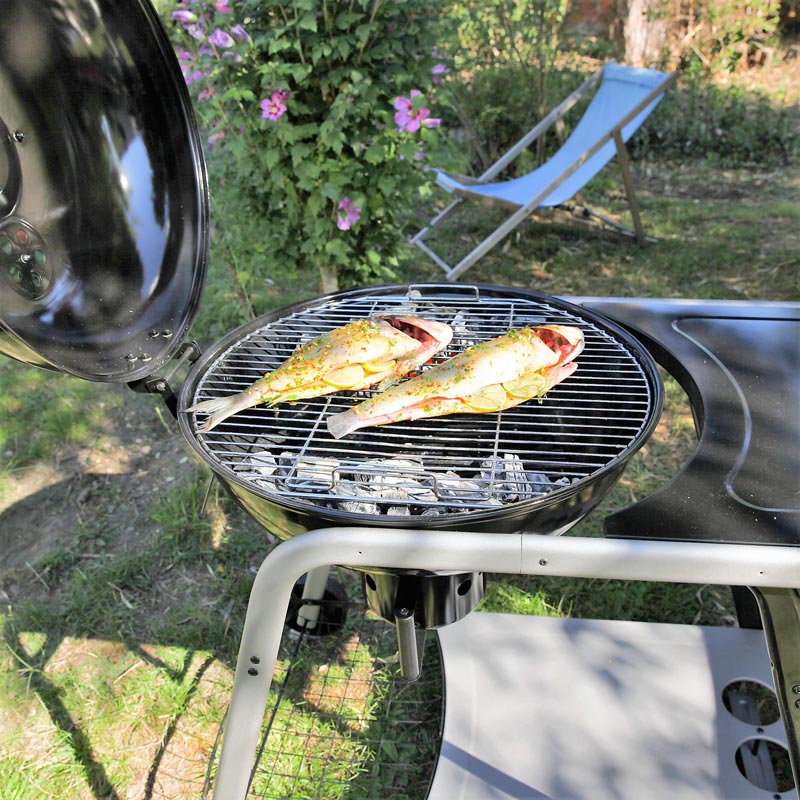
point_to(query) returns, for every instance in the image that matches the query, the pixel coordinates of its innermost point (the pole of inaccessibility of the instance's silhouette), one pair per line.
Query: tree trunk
(643, 32)
(329, 281)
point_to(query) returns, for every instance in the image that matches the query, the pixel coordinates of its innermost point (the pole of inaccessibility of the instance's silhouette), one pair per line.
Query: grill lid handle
(103, 190)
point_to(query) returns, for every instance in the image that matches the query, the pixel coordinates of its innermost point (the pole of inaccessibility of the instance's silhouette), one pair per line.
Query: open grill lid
(103, 192)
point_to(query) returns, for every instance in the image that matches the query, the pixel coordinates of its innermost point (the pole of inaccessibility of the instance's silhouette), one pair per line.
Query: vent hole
(765, 764)
(751, 702)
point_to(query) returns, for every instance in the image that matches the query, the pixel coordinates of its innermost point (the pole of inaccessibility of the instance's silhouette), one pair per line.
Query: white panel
(563, 708)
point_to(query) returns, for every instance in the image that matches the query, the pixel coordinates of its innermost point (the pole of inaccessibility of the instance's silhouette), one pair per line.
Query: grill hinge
(168, 380)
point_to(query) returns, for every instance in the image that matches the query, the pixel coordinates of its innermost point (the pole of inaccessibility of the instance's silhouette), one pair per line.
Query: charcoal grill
(103, 250)
(538, 467)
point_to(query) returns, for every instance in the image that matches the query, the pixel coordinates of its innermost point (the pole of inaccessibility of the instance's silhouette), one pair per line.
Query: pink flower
(274, 107)
(408, 119)
(222, 7)
(221, 39)
(352, 214)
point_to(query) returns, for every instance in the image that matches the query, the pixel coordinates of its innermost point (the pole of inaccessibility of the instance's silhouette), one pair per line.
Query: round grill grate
(442, 466)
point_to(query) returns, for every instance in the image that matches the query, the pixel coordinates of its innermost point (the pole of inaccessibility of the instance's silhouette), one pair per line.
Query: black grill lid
(103, 192)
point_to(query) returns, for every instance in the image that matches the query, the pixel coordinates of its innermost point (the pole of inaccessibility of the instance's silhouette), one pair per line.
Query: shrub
(319, 113)
(728, 126)
(508, 51)
(722, 35)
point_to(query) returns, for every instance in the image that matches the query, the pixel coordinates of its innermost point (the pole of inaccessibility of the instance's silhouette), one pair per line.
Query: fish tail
(220, 408)
(344, 422)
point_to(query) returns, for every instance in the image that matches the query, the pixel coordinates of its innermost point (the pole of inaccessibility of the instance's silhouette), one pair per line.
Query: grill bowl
(570, 447)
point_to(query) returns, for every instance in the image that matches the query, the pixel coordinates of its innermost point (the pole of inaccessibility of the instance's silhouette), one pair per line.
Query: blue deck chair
(624, 99)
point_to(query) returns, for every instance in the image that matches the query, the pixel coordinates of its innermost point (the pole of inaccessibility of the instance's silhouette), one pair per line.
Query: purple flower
(438, 72)
(198, 30)
(238, 32)
(215, 138)
(184, 16)
(352, 214)
(220, 39)
(206, 93)
(184, 55)
(408, 119)
(273, 108)
(206, 50)
(197, 75)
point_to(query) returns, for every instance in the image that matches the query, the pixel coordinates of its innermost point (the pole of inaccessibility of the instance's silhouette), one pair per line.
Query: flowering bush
(320, 112)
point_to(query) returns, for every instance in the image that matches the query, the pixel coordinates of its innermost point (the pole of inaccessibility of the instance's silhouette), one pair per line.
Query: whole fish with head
(375, 350)
(490, 376)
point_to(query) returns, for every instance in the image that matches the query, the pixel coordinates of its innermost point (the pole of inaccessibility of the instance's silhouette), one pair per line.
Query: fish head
(432, 336)
(565, 340)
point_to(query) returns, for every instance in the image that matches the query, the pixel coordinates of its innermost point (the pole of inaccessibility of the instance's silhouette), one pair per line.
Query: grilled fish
(490, 376)
(376, 350)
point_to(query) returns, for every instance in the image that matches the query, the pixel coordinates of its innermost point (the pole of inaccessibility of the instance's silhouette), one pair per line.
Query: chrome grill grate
(446, 465)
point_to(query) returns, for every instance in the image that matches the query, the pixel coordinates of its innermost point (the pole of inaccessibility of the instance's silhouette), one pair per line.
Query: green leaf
(308, 22)
(363, 33)
(375, 153)
(389, 748)
(315, 203)
(270, 157)
(345, 20)
(278, 45)
(387, 184)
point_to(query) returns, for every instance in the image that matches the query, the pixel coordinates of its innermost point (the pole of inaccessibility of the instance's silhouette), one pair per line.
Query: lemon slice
(490, 398)
(345, 377)
(378, 366)
(526, 386)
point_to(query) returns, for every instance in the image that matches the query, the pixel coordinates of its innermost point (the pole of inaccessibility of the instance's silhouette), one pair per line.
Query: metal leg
(314, 589)
(426, 231)
(780, 614)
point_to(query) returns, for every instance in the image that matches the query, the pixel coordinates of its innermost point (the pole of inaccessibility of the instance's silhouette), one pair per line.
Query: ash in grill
(436, 467)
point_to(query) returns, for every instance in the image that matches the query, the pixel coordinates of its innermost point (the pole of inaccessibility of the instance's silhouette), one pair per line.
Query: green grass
(709, 245)
(43, 411)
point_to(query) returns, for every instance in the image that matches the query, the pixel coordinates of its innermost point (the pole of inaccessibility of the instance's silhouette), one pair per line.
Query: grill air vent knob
(23, 259)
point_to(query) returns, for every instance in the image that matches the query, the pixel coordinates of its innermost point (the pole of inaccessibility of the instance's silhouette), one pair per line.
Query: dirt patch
(688, 181)
(104, 489)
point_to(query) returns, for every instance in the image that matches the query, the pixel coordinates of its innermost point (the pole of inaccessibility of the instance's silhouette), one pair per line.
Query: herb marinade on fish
(487, 377)
(376, 350)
